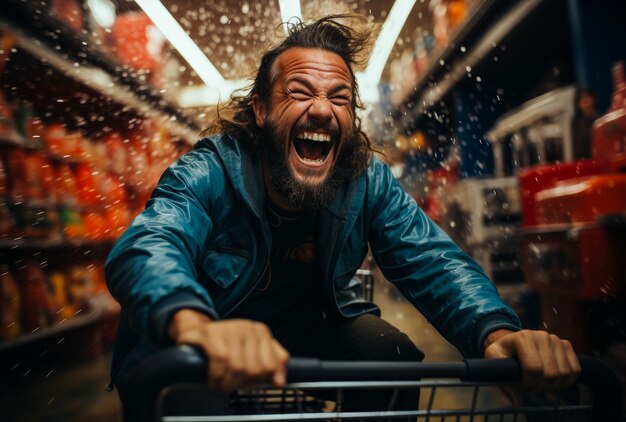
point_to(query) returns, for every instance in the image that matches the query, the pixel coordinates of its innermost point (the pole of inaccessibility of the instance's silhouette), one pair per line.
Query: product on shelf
(70, 12)
(37, 222)
(72, 222)
(102, 299)
(112, 188)
(88, 194)
(609, 131)
(66, 186)
(10, 306)
(8, 225)
(116, 153)
(54, 139)
(81, 287)
(138, 160)
(95, 225)
(4, 180)
(117, 218)
(29, 125)
(7, 41)
(58, 283)
(8, 131)
(137, 41)
(39, 308)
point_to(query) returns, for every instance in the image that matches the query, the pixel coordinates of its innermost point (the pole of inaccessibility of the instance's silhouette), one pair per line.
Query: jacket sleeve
(430, 270)
(150, 269)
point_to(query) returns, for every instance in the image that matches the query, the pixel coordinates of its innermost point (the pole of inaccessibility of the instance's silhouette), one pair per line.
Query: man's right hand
(241, 353)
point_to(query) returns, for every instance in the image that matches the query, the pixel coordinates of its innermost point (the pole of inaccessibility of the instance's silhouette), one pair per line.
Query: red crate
(582, 200)
(544, 176)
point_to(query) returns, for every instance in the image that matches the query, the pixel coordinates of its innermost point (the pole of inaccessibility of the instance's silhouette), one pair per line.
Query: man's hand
(548, 363)
(241, 353)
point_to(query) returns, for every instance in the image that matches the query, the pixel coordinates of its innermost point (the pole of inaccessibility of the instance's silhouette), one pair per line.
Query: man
(248, 245)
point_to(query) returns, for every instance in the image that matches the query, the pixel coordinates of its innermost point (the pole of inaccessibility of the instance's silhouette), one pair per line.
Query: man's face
(310, 116)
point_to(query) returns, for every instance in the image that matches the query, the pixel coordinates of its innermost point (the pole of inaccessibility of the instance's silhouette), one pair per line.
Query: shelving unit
(68, 66)
(77, 56)
(471, 43)
(62, 327)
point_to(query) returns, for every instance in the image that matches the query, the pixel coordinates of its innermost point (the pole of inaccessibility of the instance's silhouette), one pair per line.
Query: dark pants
(366, 338)
(316, 334)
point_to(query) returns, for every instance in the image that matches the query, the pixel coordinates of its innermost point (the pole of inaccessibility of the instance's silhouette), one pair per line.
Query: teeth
(321, 160)
(312, 136)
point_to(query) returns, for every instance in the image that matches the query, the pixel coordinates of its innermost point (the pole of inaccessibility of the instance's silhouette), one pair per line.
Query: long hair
(237, 116)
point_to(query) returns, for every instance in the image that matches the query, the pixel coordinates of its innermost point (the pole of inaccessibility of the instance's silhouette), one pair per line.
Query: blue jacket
(203, 243)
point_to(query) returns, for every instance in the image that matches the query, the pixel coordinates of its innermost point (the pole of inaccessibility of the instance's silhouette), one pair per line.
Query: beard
(302, 195)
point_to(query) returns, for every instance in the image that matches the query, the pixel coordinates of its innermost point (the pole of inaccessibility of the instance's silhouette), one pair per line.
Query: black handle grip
(185, 364)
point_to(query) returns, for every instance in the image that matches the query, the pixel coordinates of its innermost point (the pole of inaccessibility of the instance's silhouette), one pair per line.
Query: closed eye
(299, 94)
(340, 100)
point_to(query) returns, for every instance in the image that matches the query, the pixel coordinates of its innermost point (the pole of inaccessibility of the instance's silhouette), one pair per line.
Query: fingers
(548, 362)
(241, 354)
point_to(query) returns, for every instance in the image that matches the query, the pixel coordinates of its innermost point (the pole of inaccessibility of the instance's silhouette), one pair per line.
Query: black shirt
(290, 288)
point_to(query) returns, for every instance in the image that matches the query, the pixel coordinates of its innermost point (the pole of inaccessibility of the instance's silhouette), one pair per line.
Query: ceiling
(233, 34)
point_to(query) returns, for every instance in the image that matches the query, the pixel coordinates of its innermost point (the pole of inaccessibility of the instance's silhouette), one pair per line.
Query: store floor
(75, 390)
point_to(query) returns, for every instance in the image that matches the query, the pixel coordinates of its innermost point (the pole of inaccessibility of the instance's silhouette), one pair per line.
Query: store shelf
(44, 244)
(76, 55)
(479, 35)
(60, 328)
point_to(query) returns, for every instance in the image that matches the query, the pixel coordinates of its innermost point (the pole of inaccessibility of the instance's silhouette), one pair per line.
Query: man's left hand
(548, 363)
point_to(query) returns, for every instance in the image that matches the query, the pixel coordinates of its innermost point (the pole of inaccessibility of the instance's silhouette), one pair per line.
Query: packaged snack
(69, 12)
(10, 306)
(88, 194)
(39, 308)
(58, 284)
(54, 139)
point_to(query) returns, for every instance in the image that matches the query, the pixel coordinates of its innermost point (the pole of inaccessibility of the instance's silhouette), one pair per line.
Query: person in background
(249, 243)
(584, 116)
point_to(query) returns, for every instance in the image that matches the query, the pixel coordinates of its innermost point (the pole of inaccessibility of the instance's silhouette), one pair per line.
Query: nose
(320, 112)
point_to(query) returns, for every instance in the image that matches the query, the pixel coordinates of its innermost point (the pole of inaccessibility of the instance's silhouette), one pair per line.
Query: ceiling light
(289, 9)
(182, 42)
(384, 43)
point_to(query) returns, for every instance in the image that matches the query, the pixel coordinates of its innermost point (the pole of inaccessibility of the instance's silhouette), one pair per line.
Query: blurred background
(505, 120)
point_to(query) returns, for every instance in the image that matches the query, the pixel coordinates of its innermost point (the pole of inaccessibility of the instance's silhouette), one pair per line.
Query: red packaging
(116, 153)
(4, 180)
(10, 306)
(137, 42)
(88, 194)
(95, 225)
(582, 200)
(70, 12)
(609, 131)
(39, 307)
(54, 138)
(540, 177)
(66, 188)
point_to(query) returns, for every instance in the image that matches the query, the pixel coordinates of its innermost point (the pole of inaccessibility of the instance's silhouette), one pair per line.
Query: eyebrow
(310, 87)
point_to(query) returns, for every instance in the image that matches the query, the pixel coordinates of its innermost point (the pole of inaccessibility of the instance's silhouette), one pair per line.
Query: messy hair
(237, 116)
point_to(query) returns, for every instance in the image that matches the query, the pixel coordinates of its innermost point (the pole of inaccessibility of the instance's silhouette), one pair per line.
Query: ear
(260, 110)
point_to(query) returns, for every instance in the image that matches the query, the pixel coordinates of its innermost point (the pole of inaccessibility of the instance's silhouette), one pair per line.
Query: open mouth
(313, 147)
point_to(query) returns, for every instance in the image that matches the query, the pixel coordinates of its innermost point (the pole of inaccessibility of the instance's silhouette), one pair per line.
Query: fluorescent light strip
(386, 39)
(182, 42)
(288, 10)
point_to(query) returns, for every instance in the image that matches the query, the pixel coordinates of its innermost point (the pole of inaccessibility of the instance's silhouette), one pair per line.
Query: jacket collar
(245, 172)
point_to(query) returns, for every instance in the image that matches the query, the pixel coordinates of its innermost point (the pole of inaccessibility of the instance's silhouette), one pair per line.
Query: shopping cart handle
(185, 364)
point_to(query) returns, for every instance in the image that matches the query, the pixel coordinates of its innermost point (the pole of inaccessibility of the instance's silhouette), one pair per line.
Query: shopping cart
(596, 397)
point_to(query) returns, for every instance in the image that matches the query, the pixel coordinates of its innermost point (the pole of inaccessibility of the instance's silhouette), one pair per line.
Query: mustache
(331, 128)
